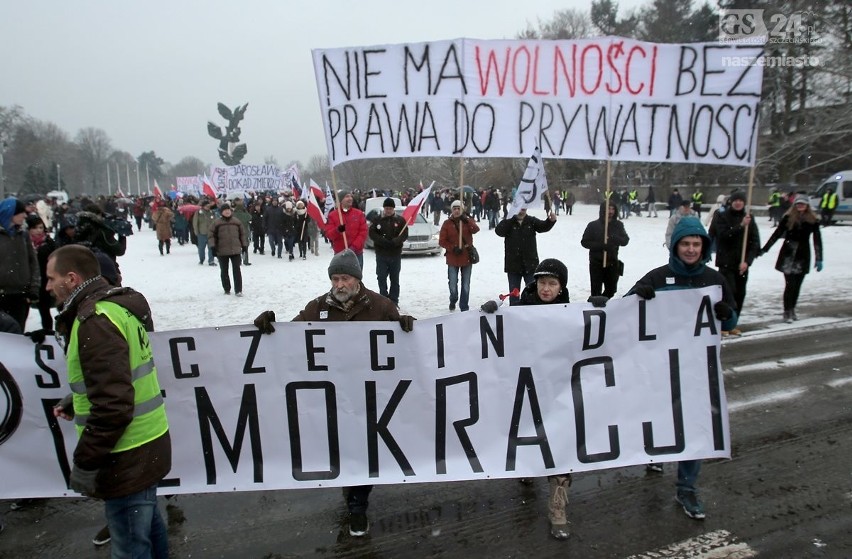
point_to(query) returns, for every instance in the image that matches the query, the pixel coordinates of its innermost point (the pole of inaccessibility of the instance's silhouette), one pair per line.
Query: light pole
(2, 176)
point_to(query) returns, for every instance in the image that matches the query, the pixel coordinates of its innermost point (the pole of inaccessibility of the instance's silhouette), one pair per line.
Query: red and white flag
(207, 188)
(118, 192)
(413, 208)
(157, 192)
(318, 193)
(314, 210)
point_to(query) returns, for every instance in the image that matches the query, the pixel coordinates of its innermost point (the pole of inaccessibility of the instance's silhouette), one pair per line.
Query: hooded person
(603, 275)
(20, 277)
(687, 269)
(347, 300)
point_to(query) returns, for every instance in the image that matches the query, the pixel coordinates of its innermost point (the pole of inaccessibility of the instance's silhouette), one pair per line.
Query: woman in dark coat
(794, 259)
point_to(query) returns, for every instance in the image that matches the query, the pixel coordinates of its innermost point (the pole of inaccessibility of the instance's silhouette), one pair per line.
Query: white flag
(532, 187)
(329, 201)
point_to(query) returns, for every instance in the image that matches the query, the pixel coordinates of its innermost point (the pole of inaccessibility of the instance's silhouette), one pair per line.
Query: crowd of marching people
(229, 233)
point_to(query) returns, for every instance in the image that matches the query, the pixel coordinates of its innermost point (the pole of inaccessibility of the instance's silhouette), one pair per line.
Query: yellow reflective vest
(149, 414)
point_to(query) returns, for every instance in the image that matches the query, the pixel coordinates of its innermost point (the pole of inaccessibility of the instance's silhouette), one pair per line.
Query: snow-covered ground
(185, 295)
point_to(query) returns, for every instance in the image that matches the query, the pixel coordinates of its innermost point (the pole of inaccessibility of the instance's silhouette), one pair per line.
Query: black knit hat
(345, 262)
(20, 208)
(737, 195)
(552, 267)
(388, 203)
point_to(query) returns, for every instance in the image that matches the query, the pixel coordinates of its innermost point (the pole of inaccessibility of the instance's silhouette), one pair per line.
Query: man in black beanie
(348, 299)
(388, 234)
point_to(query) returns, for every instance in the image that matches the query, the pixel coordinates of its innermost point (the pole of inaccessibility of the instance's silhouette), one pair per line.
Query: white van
(841, 183)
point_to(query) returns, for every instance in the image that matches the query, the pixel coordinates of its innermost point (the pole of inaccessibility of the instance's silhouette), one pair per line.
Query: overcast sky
(151, 72)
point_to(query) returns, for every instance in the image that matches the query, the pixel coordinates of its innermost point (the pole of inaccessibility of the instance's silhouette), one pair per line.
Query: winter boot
(788, 318)
(556, 506)
(793, 314)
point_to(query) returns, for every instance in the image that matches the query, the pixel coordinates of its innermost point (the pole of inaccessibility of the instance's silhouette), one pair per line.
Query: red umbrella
(188, 209)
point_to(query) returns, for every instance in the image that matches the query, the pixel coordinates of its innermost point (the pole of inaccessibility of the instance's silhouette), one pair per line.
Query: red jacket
(449, 239)
(356, 230)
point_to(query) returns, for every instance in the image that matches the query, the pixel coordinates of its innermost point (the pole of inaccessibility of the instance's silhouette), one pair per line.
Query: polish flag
(157, 192)
(314, 210)
(413, 208)
(207, 188)
(314, 187)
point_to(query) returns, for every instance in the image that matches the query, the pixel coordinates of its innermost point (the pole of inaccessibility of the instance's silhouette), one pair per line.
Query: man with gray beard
(348, 299)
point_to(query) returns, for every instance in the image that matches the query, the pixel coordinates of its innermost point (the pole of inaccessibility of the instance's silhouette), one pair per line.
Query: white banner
(463, 396)
(188, 185)
(239, 179)
(603, 98)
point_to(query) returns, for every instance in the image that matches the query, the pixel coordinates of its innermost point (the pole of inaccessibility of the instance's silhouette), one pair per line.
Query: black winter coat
(728, 230)
(593, 238)
(795, 254)
(386, 236)
(521, 251)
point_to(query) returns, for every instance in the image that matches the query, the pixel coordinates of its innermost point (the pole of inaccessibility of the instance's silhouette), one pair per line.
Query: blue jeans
(515, 283)
(136, 527)
(202, 244)
(453, 282)
(389, 267)
(687, 475)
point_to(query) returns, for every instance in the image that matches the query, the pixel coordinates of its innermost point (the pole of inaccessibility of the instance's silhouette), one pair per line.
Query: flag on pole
(329, 201)
(314, 187)
(409, 214)
(314, 210)
(118, 192)
(207, 188)
(157, 192)
(532, 187)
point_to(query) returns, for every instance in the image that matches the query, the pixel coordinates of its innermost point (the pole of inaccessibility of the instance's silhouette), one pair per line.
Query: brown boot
(556, 506)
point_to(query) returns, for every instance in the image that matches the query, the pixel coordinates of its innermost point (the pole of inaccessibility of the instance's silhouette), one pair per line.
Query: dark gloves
(83, 481)
(457, 250)
(723, 310)
(645, 291)
(489, 306)
(38, 336)
(464, 218)
(598, 301)
(264, 321)
(819, 265)
(341, 227)
(407, 322)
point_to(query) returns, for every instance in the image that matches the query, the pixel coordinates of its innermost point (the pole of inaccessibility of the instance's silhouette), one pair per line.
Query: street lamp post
(2, 176)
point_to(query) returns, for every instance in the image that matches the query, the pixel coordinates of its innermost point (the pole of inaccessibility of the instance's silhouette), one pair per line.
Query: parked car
(841, 183)
(422, 235)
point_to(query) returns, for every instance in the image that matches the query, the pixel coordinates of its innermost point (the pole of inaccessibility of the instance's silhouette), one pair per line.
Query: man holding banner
(690, 252)
(348, 300)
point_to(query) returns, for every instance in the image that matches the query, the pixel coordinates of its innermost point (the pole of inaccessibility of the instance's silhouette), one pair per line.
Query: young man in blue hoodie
(690, 252)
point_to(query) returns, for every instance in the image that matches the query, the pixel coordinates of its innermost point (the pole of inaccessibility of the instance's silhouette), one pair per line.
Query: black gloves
(341, 227)
(457, 250)
(38, 336)
(489, 306)
(464, 218)
(645, 291)
(598, 301)
(66, 405)
(264, 321)
(407, 322)
(83, 481)
(723, 310)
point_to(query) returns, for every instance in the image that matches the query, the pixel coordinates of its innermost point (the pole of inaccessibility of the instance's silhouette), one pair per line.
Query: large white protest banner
(463, 396)
(238, 179)
(603, 98)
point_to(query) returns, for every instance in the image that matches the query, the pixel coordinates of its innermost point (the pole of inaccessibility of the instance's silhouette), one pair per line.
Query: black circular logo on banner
(11, 404)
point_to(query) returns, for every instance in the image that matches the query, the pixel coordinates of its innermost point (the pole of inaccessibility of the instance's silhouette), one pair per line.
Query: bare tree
(94, 146)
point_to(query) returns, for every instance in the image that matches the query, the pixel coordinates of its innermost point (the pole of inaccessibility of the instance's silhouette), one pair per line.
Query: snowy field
(185, 295)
